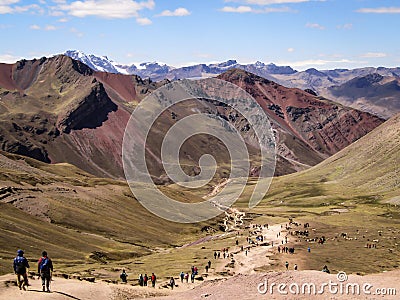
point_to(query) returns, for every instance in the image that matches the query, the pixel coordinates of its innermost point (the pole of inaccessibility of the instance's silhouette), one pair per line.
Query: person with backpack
(182, 275)
(153, 280)
(141, 280)
(145, 279)
(172, 283)
(45, 269)
(20, 265)
(123, 276)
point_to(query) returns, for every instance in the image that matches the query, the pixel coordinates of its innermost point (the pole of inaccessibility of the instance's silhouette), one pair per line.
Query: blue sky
(300, 33)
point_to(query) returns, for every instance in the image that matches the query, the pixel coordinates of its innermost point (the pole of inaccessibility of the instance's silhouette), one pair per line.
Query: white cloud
(347, 26)
(8, 2)
(56, 13)
(290, 50)
(8, 58)
(34, 27)
(109, 9)
(271, 2)
(179, 12)
(239, 9)
(50, 28)
(5, 6)
(63, 20)
(380, 10)
(248, 9)
(374, 55)
(144, 21)
(47, 27)
(316, 62)
(315, 26)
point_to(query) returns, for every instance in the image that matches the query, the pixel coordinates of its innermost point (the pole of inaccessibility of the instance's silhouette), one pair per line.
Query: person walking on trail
(123, 276)
(295, 267)
(192, 277)
(20, 265)
(141, 280)
(182, 275)
(206, 268)
(153, 280)
(209, 264)
(287, 265)
(187, 277)
(215, 254)
(45, 269)
(172, 283)
(145, 279)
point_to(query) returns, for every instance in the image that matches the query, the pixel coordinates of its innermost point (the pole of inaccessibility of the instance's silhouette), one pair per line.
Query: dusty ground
(244, 284)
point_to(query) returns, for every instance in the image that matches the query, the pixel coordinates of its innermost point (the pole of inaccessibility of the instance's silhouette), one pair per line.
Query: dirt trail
(258, 256)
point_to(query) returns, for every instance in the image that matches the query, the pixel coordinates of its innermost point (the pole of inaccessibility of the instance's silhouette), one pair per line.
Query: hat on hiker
(20, 252)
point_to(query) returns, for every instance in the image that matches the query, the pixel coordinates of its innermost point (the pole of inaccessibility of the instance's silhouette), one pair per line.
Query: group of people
(143, 280)
(21, 266)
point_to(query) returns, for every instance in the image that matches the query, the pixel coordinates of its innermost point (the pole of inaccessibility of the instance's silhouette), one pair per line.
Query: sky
(322, 34)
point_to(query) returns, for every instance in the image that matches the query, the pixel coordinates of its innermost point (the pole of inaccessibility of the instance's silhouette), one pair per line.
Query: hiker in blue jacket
(20, 265)
(45, 269)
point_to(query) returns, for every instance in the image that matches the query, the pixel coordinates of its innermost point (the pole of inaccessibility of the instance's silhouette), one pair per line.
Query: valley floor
(234, 277)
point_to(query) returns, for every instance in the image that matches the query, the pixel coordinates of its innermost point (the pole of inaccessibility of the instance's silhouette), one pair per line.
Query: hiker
(279, 249)
(123, 276)
(145, 279)
(141, 280)
(187, 277)
(45, 269)
(219, 254)
(206, 268)
(246, 252)
(215, 254)
(196, 270)
(209, 264)
(287, 265)
(295, 267)
(153, 280)
(308, 249)
(325, 269)
(172, 283)
(192, 277)
(237, 242)
(20, 265)
(182, 275)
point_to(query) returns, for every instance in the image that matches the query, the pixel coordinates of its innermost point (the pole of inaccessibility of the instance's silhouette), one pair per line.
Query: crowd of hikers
(145, 280)
(45, 265)
(44, 270)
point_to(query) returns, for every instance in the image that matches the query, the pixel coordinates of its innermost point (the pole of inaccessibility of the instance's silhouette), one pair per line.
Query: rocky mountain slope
(60, 110)
(308, 128)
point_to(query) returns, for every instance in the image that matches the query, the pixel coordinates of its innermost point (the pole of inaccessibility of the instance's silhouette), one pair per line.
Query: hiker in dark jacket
(20, 265)
(45, 270)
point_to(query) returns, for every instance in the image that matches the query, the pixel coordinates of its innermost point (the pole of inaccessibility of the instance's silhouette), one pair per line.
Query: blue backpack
(44, 265)
(20, 265)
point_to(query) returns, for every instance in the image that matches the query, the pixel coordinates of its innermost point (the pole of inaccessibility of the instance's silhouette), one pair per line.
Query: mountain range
(60, 110)
(378, 97)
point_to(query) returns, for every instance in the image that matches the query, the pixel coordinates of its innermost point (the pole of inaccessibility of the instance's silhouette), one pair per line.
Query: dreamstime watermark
(237, 120)
(339, 287)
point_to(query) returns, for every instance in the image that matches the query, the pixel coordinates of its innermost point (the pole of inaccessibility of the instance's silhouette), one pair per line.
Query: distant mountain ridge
(325, 83)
